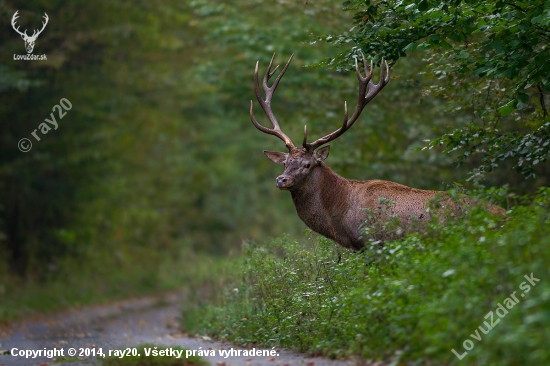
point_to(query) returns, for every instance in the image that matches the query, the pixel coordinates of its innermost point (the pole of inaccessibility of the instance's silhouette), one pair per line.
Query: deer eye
(307, 166)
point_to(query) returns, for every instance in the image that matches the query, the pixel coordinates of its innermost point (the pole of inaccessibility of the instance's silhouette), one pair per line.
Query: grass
(155, 360)
(103, 281)
(412, 300)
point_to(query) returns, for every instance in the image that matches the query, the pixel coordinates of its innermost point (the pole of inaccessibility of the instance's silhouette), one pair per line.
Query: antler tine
(13, 21)
(345, 122)
(367, 91)
(266, 104)
(14, 18)
(368, 72)
(345, 114)
(278, 78)
(270, 73)
(384, 79)
(46, 18)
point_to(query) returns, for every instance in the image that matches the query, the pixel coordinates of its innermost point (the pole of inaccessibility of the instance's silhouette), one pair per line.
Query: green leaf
(523, 97)
(507, 108)
(455, 36)
(372, 10)
(423, 46)
(446, 45)
(537, 20)
(521, 105)
(410, 47)
(423, 6)
(463, 54)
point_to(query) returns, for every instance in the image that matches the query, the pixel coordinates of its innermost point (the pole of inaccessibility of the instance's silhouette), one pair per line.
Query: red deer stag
(327, 203)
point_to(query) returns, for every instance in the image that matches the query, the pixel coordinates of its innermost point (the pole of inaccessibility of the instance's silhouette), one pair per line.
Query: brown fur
(334, 206)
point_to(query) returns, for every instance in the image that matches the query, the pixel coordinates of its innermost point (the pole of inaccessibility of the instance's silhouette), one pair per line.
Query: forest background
(156, 166)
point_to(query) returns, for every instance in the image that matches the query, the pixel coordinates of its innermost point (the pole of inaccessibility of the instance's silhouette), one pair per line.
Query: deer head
(299, 162)
(29, 40)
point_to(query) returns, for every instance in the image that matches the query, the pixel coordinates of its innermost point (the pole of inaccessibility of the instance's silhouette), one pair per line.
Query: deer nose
(281, 181)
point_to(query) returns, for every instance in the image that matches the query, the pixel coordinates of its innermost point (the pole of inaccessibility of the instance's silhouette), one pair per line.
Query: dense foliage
(158, 153)
(489, 58)
(413, 300)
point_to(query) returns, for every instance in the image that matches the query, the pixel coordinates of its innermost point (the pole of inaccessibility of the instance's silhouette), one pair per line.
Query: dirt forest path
(124, 324)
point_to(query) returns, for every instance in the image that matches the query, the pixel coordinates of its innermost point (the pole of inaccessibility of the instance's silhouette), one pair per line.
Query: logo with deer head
(29, 40)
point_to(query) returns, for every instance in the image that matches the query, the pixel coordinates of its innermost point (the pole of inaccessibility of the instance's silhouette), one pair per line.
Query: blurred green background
(157, 168)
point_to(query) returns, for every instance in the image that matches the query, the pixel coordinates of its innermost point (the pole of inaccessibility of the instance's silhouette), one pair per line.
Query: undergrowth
(411, 300)
(104, 280)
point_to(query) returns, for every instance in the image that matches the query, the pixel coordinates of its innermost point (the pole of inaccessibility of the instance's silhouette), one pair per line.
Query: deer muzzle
(284, 182)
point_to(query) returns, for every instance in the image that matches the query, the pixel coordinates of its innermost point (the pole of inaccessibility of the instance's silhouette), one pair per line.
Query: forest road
(123, 324)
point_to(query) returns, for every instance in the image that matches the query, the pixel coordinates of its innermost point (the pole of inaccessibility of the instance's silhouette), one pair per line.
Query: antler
(34, 34)
(367, 91)
(13, 21)
(43, 26)
(266, 104)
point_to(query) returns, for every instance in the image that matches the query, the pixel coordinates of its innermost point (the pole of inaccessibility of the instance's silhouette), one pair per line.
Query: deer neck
(321, 198)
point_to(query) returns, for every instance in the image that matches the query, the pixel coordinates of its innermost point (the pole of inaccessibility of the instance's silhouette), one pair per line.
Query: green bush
(412, 300)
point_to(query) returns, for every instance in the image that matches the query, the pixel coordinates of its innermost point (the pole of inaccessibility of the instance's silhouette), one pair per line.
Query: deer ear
(322, 153)
(276, 157)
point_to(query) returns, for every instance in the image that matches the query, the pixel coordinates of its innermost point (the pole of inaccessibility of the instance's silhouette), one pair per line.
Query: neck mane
(321, 198)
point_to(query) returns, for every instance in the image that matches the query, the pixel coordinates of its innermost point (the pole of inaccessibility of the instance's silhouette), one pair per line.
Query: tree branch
(516, 6)
(542, 103)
